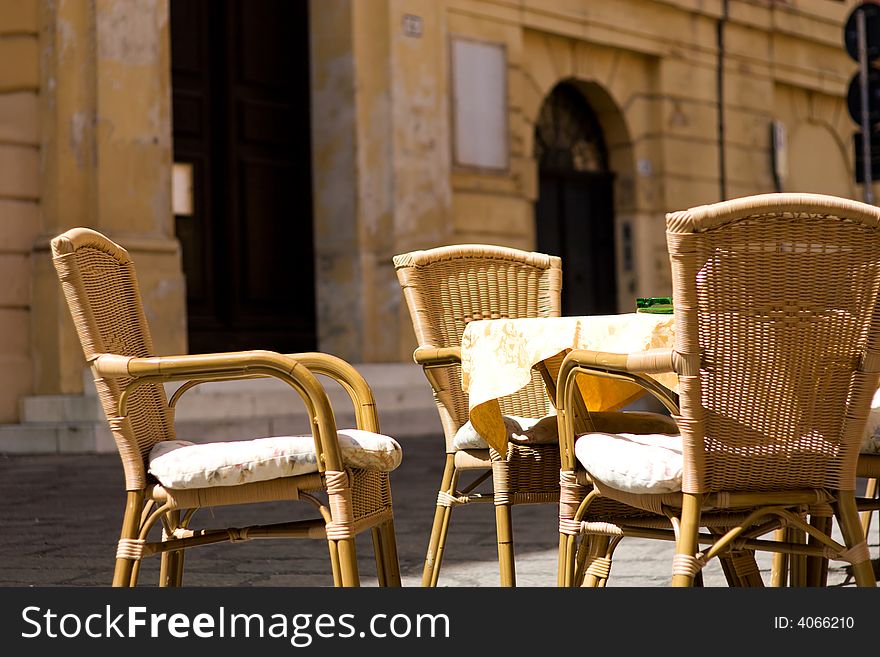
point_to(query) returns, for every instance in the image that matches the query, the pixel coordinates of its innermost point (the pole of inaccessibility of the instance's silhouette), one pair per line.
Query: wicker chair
(777, 349)
(445, 288)
(168, 480)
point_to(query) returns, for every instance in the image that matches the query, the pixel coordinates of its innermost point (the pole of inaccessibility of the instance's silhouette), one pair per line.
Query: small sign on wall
(412, 25)
(182, 188)
(479, 102)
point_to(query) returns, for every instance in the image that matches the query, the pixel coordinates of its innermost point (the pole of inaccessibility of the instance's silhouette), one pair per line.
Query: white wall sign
(479, 101)
(182, 188)
(412, 25)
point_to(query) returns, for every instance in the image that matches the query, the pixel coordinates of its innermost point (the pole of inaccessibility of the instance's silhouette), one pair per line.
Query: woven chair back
(448, 287)
(101, 289)
(776, 331)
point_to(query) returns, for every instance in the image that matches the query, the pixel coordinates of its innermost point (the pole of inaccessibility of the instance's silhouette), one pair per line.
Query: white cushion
(652, 463)
(183, 464)
(871, 440)
(523, 430)
(636, 463)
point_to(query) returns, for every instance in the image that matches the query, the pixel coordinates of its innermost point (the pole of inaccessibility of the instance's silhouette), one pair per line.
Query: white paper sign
(479, 96)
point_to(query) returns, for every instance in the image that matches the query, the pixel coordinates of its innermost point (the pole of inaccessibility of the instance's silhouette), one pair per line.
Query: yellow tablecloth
(497, 357)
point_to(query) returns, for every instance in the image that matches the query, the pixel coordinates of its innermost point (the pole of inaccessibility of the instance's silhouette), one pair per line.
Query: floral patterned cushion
(522, 430)
(636, 463)
(871, 441)
(183, 464)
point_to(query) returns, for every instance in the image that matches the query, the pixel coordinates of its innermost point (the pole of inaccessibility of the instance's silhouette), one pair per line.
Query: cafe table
(497, 357)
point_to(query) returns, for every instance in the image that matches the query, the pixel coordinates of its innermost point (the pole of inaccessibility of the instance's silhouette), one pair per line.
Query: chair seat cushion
(871, 440)
(182, 464)
(636, 463)
(652, 463)
(523, 430)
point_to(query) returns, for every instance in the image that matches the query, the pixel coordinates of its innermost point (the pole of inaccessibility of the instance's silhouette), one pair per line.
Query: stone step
(56, 437)
(395, 386)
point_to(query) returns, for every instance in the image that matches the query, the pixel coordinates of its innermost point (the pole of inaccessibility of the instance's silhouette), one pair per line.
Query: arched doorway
(574, 214)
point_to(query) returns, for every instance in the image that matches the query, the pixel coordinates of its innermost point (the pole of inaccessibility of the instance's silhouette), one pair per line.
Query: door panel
(575, 220)
(240, 80)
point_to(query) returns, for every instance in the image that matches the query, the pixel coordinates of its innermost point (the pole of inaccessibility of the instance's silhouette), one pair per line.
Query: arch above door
(574, 212)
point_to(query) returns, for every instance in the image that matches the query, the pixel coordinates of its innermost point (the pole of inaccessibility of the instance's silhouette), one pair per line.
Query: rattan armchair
(777, 348)
(344, 474)
(446, 288)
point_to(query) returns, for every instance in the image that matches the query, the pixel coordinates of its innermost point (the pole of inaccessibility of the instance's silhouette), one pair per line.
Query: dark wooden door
(575, 220)
(574, 214)
(240, 85)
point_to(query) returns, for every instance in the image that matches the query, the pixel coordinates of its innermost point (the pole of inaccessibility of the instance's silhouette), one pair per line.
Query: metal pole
(866, 121)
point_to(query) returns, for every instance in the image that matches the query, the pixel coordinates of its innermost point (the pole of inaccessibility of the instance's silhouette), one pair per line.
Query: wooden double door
(241, 128)
(575, 220)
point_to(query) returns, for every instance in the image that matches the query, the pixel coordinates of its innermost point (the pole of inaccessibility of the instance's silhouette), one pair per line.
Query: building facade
(263, 161)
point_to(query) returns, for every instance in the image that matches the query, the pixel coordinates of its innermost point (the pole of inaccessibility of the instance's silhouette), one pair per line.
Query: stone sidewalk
(61, 515)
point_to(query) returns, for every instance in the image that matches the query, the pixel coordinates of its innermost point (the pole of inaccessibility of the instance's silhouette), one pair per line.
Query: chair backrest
(776, 334)
(99, 283)
(447, 287)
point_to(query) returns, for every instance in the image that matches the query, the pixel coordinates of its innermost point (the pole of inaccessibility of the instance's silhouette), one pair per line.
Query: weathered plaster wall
(106, 164)
(19, 194)
(380, 165)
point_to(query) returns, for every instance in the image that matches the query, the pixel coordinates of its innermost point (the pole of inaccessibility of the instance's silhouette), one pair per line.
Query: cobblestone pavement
(61, 515)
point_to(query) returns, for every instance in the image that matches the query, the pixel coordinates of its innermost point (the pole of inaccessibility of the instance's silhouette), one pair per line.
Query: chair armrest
(633, 367)
(232, 365)
(652, 361)
(437, 356)
(350, 379)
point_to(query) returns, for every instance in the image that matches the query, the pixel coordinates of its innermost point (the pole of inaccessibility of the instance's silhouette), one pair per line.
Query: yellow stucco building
(263, 161)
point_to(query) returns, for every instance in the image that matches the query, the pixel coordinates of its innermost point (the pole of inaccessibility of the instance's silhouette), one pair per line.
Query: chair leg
(379, 556)
(385, 548)
(171, 566)
(135, 571)
(848, 516)
(348, 565)
(729, 571)
(817, 567)
(779, 569)
(728, 563)
(740, 567)
(585, 552)
(389, 542)
(122, 574)
(440, 526)
(171, 569)
(334, 563)
(746, 568)
(504, 529)
(797, 563)
(597, 547)
(503, 520)
(565, 566)
(683, 567)
(870, 492)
